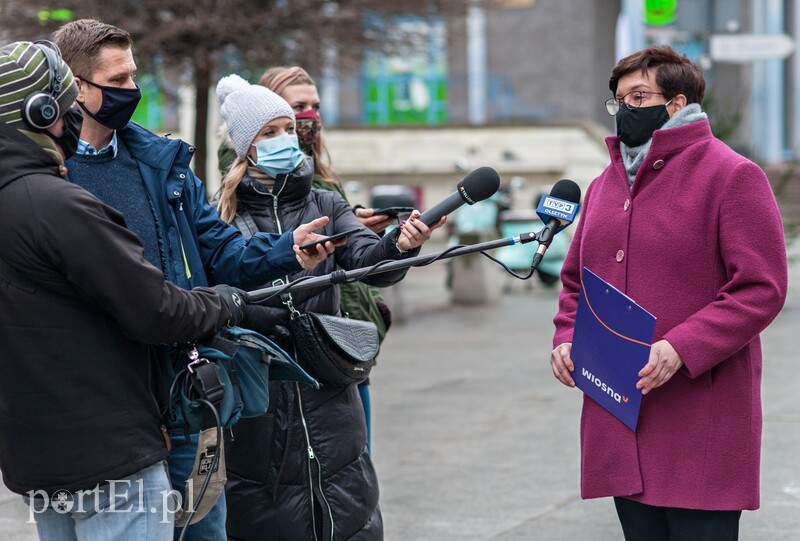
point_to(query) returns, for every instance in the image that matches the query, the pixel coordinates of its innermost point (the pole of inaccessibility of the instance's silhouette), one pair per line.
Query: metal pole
(795, 30)
(476, 65)
(768, 101)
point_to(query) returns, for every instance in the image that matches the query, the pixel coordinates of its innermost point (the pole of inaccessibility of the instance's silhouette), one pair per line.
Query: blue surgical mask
(279, 155)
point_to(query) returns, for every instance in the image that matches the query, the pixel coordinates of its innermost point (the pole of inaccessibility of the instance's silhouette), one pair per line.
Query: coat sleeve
(229, 258)
(104, 262)
(571, 283)
(753, 252)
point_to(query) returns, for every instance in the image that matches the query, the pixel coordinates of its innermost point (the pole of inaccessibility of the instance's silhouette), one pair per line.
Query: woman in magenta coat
(691, 231)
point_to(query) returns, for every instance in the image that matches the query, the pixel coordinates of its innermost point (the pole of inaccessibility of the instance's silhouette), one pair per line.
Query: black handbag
(337, 351)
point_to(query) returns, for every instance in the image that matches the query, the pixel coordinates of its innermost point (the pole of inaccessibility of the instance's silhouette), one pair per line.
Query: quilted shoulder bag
(337, 351)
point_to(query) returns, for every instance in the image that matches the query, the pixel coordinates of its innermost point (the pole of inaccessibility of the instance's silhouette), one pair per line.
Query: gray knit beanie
(23, 70)
(246, 108)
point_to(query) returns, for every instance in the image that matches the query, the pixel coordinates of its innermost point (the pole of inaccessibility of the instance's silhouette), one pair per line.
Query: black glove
(234, 298)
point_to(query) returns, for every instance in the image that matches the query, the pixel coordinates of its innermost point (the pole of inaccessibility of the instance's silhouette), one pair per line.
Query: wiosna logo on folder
(610, 344)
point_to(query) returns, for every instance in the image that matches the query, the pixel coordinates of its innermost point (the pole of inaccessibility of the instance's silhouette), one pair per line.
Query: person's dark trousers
(641, 522)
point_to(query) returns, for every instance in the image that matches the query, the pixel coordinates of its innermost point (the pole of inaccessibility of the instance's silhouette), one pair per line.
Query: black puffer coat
(302, 471)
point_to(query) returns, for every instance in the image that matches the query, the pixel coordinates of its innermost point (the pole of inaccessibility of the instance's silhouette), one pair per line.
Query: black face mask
(73, 120)
(636, 126)
(118, 105)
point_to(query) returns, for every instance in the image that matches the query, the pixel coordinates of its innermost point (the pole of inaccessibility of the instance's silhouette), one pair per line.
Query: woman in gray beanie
(301, 471)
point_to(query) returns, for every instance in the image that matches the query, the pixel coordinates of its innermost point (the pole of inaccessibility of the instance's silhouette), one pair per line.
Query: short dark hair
(675, 74)
(80, 42)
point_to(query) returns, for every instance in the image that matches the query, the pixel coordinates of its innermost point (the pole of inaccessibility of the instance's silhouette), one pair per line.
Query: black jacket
(302, 471)
(76, 404)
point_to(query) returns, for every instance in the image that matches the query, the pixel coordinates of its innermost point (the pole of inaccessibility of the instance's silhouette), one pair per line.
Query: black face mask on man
(118, 105)
(73, 120)
(636, 126)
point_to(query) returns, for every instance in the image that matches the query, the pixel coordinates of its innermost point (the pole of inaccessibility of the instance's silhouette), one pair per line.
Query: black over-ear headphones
(40, 109)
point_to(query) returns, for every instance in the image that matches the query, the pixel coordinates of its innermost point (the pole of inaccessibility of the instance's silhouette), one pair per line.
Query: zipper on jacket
(185, 261)
(275, 214)
(183, 250)
(277, 219)
(313, 457)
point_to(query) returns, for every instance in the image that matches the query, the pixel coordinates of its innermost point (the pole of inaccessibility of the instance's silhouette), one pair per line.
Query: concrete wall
(435, 159)
(549, 59)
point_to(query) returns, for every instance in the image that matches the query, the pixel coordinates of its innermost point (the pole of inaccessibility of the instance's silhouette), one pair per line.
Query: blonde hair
(227, 192)
(277, 79)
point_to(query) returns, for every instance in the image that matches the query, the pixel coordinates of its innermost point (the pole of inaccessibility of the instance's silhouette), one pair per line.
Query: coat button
(626, 205)
(658, 164)
(176, 194)
(191, 149)
(182, 176)
(620, 255)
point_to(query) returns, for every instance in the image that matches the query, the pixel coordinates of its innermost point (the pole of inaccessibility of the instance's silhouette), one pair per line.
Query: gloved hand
(234, 298)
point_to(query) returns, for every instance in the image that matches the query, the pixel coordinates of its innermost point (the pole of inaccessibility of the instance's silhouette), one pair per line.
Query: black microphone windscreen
(566, 190)
(480, 184)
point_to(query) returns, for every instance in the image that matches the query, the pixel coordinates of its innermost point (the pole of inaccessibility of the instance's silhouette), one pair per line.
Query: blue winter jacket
(197, 247)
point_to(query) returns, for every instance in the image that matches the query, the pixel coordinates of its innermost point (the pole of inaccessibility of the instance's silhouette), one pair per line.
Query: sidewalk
(474, 440)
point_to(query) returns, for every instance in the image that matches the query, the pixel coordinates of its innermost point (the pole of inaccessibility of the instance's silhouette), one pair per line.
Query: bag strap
(245, 224)
(203, 375)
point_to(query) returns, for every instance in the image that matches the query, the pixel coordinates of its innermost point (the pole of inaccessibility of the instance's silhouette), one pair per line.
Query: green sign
(660, 12)
(58, 15)
(150, 111)
(411, 87)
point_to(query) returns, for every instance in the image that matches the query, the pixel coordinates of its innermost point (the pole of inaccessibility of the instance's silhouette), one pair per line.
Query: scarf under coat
(633, 157)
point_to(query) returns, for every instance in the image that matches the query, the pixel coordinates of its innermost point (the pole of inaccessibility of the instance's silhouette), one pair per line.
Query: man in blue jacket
(148, 179)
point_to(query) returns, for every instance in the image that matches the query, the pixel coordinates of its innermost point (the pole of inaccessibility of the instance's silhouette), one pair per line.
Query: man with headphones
(80, 432)
(39, 109)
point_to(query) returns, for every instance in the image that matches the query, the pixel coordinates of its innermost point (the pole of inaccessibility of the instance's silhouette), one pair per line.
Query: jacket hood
(20, 156)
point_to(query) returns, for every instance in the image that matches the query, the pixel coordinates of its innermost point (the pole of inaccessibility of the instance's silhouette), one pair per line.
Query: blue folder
(611, 343)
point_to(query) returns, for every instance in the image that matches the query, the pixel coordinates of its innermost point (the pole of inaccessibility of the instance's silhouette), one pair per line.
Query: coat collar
(160, 154)
(667, 141)
(154, 150)
(21, 156)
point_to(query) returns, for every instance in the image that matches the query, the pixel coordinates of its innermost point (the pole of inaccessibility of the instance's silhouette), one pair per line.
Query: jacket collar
(21, 156)
(159, 154)
(290, 188)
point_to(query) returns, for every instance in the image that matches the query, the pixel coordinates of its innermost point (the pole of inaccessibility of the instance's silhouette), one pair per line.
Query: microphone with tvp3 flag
(480, 184)
(557, 211)
(561, 207)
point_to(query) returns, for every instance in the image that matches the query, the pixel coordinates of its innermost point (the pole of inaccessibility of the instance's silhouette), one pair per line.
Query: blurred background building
(438, 87)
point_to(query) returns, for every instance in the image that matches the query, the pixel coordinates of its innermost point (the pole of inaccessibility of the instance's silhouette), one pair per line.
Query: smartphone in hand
(337, 236)
(393, 212)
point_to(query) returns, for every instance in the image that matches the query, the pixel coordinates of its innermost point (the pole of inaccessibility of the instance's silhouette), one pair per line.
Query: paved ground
(475, 441)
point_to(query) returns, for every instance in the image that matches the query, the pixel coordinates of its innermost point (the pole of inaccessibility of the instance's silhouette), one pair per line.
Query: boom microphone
(480, 184)
(557, 211)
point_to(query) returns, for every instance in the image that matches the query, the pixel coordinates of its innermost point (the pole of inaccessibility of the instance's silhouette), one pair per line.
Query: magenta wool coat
(699, 243)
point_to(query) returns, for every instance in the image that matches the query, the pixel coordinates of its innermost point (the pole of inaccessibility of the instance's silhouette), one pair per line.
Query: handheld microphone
(480, 184)
(557, 211)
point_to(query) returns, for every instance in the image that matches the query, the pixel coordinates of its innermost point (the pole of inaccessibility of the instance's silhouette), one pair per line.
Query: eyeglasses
(632, 100)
